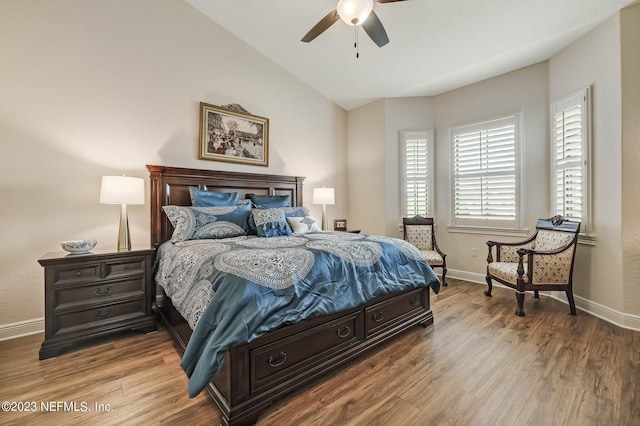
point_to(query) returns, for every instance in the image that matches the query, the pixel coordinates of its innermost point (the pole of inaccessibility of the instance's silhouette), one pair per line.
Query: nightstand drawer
(125, 267)
(72, 321)
(69, 297)
(83, 273)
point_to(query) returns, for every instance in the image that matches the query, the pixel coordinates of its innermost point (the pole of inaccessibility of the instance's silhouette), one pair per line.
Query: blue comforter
(234, 290)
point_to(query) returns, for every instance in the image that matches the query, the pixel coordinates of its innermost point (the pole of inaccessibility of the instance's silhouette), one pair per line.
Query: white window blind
(570, 145)
(417, 178)
(485, 173)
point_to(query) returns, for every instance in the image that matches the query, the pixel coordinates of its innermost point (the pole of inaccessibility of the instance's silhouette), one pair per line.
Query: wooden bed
(258, 373)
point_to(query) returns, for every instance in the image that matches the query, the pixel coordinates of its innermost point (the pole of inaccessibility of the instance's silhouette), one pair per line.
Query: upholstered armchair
(420, 232)
(544, 261)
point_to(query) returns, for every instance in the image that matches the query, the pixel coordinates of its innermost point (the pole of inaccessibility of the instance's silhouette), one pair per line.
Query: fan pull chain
(355, 44)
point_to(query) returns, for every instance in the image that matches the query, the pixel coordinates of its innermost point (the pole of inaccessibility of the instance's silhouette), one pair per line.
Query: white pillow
(302, 225)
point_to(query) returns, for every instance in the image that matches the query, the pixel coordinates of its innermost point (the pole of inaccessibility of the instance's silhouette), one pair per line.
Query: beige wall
(90, 88)
(630, 64)
(366, 165)
(595, 60)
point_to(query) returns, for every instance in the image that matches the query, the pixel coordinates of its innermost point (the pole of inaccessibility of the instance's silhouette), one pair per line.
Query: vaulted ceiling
(435, 45)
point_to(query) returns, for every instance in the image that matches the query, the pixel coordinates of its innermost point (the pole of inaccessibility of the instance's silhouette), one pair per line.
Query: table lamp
(122, 190)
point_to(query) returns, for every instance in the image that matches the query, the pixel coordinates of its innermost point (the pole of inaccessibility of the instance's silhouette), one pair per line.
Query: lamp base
(124, 239)
(325, 225)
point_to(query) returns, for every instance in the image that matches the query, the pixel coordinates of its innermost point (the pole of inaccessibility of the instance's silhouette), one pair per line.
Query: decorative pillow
(196, 223)
(295, 211)
(304, 224)
(270, 201)
(200, 198)
(288, 212)
(270, 222)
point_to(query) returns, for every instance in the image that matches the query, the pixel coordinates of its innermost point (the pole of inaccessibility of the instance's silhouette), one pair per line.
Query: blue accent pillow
(270, 201)
(295, 211)
(200, 198)
(270, 222)
(197, 223)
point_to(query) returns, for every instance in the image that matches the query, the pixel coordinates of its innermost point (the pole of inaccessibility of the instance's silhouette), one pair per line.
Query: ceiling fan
(355, 13)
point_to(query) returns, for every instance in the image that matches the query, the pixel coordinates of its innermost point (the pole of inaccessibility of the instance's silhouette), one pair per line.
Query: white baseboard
(22, 328)
(621, 319)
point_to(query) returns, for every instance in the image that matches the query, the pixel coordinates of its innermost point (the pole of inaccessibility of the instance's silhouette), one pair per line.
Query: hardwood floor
(479, 364)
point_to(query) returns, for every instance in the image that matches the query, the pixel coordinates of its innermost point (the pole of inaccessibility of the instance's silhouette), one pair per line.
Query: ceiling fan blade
(321, 26)
(374, 29)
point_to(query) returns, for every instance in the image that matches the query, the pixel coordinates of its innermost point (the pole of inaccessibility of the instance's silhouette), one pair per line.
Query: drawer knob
(126, 267)
(378, 316)
(106, 292)
(344, 331)
(78, 274)
(414, 301)
(101, 315)
(277, 362)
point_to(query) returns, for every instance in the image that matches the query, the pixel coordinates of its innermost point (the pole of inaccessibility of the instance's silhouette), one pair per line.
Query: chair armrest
(512, 249)
(538, 260)
(435, 246)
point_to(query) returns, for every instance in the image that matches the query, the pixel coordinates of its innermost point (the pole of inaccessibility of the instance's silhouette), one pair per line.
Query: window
(570, 124)
(417, 173)
(486, 174)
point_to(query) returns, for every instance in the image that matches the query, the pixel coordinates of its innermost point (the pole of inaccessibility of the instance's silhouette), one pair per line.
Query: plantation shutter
(569, 143)
(485, 180)
(416, 181)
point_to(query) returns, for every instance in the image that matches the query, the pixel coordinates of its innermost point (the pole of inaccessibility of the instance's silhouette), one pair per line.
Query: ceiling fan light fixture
(354, 12)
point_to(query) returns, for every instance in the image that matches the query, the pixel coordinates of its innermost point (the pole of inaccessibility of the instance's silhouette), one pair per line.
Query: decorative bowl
(78, 246)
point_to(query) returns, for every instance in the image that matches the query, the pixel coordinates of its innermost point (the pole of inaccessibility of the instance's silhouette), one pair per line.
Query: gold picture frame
(229, 133)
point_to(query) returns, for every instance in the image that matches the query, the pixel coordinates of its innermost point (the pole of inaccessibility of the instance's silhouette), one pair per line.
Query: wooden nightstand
(90, 295)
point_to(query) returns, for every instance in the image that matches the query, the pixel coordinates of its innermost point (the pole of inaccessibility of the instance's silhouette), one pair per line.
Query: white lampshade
(122, 190)
(354, 12)
(323, 196)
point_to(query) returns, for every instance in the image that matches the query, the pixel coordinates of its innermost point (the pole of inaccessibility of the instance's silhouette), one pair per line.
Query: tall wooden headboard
(170, 186)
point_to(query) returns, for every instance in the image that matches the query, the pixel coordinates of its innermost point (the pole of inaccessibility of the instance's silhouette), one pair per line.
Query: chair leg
(444, 274)
(536, 294)
(488, 291)
(520, 310)
(572, 304)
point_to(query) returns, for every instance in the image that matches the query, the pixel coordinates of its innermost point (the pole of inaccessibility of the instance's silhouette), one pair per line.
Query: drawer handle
(414, 301)
(125, 267)
(278, 361)
(79, 274)
(378, 316)
(344, 331)
(107, 292)
(100, 315)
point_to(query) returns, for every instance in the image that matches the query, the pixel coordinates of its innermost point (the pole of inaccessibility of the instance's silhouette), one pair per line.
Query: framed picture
(230, 133)
(340, 224)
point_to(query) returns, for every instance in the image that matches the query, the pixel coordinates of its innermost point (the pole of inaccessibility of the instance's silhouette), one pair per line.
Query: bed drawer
(276, 362)
(386, 314)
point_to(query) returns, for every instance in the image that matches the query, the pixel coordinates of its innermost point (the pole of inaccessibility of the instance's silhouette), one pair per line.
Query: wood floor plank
(479, 364)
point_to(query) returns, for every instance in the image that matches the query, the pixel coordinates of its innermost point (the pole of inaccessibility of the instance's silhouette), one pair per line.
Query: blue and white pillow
(200, 198)
(304, 224)
(288, 212)
(196, 223)
(270, 222)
